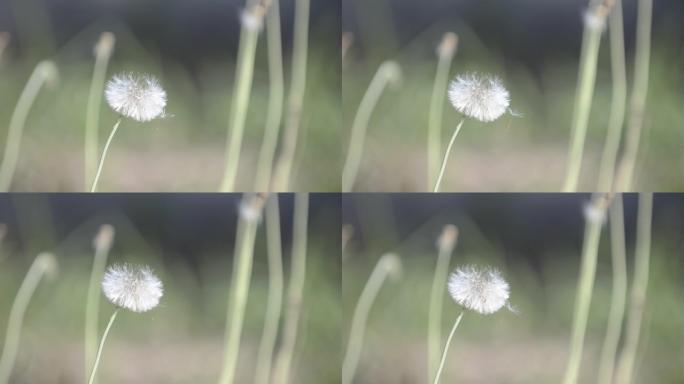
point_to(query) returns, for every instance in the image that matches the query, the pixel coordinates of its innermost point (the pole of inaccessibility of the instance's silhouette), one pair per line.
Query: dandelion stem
(360, 124)
(360, 318)
(93, 188)
(446, 348)
(103, 52)
(93, 373)
(44, 71)
(295, 291)
(625, 367)
(16, 317)
(275, 101)
(446, 156)
(627, 164)
(275, 295)
(445, 54)
(300, 48)
(617, 303)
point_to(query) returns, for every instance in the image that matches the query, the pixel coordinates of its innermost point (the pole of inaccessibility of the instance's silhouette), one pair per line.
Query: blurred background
(188, 241)
(191, 46)
(535, 240)
(534, 46)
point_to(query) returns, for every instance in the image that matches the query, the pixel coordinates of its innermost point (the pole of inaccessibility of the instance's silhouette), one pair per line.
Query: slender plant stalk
(619, 295)
(275, 292)
(445, 53)
(42, 265)
(249, 36)
(93, 187)
(447, 242)
(591, 41)
(103, 244)
(300, 49)
(275, 100)
(93, 373)
(386, 73)
(44, 72)
(242, 273)
(585, 287)
(638, 98)
(446, 348)
(625, 368)
(360, 317)
(619, 99)
(446, 156)
(295, 291)
(4, 42)
(103, 52)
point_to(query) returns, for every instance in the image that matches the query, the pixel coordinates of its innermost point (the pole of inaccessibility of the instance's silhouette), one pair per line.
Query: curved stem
(446, 156)
(104, 155)
(446, 348)
(99, 349)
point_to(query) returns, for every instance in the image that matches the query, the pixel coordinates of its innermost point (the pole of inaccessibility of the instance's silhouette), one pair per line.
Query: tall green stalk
(98, 356)
(446, 156)
(445, 54)
(625, 368)
(446, 348)
(295, 291)
(387, 72)
(103, 52)
(275, 292)
(105, 151)
(45, 72)
(44, 264)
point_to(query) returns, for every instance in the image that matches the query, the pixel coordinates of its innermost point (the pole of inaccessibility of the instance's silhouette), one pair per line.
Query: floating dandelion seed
(132, 287)
(481, 97)
(139, 97)
(482, 290)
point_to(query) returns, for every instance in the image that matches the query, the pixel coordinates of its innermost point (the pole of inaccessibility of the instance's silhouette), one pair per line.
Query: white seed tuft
(482, 290)
(481, 97)
(139, 97)
(132, 287)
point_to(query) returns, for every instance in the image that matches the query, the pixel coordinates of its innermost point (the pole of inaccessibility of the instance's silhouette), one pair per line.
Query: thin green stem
(103, 52)
(385, 74)
(295, 291)
(300, 48)
(625, 369)
(45, 71)
(40, 266)
(275, 100)
(93, 188)
(93, 373)
(446, 156)
(275, 292)
(619, 295)
(446, 348)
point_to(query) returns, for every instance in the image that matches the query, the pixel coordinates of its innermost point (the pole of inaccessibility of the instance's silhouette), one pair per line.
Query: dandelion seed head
(139, 97)
(481, 97)
(132, 287)
(482, 290)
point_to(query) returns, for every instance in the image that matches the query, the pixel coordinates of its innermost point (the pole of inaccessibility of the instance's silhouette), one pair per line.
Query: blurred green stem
(44, 72)
(295, 291)
(38, 269)
(93, 188)
(275, 100)
(93, 373)
(275, 292)
(300, 47)
(446, 156)
(625, 368)
(617, 303)
(103, 52)
(625, 173)
(446, 348)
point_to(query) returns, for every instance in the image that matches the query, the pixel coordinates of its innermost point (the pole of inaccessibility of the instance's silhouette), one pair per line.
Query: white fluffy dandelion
(132, 287)
(481, 97)
(139, 97)
(482, 290)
